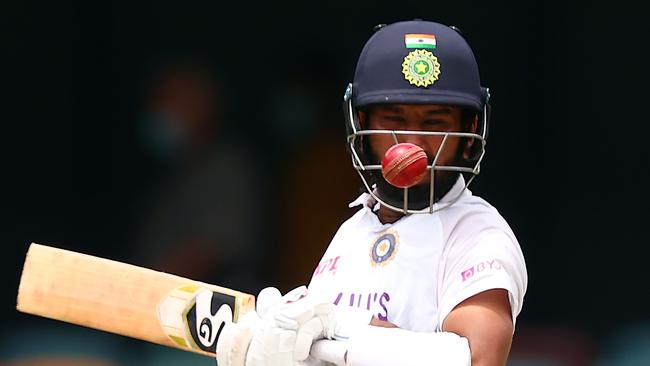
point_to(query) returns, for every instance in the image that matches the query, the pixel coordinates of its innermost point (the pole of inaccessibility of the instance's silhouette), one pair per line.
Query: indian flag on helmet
(420, 41)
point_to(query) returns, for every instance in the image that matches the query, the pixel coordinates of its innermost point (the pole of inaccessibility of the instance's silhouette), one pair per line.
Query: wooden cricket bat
(134, 301)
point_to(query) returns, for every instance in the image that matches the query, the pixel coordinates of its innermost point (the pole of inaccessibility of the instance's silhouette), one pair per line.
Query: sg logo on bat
(193, 316)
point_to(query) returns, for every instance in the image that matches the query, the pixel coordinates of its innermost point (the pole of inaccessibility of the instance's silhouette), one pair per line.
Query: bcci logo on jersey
(383, 249)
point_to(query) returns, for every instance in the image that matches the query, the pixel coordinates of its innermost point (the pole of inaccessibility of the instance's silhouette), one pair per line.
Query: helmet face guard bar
(356, 134)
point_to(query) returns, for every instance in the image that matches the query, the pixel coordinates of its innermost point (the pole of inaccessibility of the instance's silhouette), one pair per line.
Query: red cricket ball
(404, 165)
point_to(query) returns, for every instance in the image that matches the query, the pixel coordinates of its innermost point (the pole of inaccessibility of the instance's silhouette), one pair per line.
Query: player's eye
(434, 122)
(439, 124)
(393, 119)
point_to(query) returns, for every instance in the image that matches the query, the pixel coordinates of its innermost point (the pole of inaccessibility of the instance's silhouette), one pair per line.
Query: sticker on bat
(207, 318)
(193, 317)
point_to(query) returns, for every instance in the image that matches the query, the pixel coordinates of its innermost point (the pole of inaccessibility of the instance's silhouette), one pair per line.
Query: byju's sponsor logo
(480, 267)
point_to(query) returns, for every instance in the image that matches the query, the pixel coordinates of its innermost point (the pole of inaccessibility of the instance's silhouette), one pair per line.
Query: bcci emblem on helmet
(421, 68)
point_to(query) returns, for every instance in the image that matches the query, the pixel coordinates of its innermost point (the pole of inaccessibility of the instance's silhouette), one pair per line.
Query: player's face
(430, 118)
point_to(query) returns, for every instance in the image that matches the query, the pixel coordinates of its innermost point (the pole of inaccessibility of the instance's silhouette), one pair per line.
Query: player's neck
(388, 216)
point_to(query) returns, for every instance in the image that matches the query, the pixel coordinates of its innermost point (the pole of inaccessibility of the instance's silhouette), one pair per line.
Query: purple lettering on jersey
(327, 266)
(494, 264)
(338, 298)
(371, 300)
(467, 273)
(384, 307)
(333, 266)
(480, 267)
(328, 262)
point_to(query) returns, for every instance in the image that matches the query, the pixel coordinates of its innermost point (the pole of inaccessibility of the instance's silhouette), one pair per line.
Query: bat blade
(126, 299)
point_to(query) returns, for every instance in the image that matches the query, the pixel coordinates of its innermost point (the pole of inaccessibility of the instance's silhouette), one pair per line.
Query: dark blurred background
(207, 140)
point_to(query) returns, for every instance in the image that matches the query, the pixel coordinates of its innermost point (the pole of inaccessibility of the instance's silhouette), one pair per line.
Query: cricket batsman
(425, 272)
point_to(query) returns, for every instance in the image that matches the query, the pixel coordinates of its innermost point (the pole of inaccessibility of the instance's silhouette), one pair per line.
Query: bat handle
(330, 351)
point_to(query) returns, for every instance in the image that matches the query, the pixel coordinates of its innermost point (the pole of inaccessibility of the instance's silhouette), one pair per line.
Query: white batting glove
(234, 344)
(313, 318)
(256, 340)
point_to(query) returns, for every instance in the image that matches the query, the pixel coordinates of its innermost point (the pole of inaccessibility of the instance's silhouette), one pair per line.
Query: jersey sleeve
(493, 260)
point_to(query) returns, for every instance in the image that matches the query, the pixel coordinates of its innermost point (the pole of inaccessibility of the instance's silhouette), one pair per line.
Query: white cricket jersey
(413, 272)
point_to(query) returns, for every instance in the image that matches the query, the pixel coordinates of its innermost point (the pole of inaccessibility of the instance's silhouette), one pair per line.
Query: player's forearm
(487, 354)
(380, 346)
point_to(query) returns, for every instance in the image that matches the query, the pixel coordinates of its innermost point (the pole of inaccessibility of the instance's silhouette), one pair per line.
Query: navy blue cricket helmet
(416, 62)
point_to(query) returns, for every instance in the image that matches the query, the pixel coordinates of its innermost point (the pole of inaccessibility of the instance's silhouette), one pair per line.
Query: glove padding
(313, 318)
(235, 338)
(256, 340)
